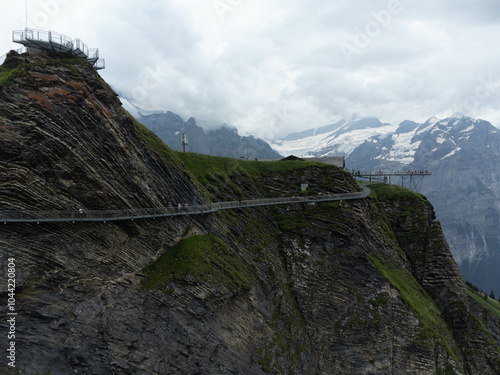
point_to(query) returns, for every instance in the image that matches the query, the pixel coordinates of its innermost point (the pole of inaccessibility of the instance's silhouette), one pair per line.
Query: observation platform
(413, 178)
(38, 40)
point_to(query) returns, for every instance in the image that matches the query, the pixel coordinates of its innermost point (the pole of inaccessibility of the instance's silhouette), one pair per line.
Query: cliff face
(353, 287)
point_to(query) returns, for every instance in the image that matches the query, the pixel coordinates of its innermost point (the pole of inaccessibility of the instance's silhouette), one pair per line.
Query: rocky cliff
(463, 155)
(353, 287)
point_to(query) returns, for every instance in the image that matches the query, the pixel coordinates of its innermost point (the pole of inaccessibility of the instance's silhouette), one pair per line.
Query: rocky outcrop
(357, 287)
(433, 266)
(463, 155)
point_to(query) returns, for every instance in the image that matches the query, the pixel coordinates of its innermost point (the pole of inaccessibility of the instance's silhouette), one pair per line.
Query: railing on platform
(414, 177)
(395, 173)
(153, 213)
(50, 40)
(43, 39)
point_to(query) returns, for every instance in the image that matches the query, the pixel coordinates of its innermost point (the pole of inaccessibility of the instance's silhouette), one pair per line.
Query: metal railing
(80, 49)
(394, 173)
(153, 213)
(19, 51)
(43, 39)
(50, 40)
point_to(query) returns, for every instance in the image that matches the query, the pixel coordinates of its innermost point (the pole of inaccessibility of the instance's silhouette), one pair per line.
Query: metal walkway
(154, 213)
(52, 41)
(414, 178)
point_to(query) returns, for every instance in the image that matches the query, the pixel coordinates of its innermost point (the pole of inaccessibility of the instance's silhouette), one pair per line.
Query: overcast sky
(273, 67)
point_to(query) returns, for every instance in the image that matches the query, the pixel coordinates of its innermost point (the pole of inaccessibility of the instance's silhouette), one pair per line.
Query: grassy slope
(205, 166)
(205, 258)
(385, 192)
(6, 75)
(490, 304)
(432, 322)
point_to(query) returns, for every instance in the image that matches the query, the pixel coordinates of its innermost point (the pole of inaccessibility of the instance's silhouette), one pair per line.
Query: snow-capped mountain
(414, 144)
(336, 139)
(463, 155)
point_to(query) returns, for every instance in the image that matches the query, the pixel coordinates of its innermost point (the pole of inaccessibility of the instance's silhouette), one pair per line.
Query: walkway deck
(52, 41)
(155, 213)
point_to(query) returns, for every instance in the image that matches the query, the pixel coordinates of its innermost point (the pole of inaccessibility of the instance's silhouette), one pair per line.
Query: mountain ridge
(306, 289)
(223, 140)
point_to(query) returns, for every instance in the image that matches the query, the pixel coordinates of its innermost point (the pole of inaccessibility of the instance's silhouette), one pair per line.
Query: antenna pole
(26, 14)
(184, 141)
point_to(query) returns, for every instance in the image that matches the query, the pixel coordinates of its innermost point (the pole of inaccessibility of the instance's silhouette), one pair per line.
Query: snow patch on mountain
(452, 153)
(342, 140)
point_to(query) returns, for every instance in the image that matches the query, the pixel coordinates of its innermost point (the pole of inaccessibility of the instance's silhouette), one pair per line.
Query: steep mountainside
(223, 141)
(463, 156)
(351, 287)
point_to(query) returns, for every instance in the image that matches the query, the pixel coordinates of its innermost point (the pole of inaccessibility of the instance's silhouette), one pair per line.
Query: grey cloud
(272, 61)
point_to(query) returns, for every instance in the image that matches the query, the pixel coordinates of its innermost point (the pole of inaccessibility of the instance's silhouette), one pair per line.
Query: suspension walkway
(155, 213)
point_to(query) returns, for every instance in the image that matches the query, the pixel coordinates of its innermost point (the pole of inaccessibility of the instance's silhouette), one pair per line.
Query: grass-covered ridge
(212, 171)
(203, 258)
(409, 202)
(385, 192)
(490, 306)
(204, 166)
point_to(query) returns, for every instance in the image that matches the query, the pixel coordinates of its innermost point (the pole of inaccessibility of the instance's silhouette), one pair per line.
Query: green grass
(410, 202)
(205, 169)
(204, 166)
(384, 192)
(213, 172)
(205, 258)
(6, 75)
(491, 305)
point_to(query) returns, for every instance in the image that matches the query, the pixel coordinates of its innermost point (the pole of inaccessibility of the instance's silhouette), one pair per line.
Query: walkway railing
(415, 178)
(19, 51)
(396, 173)
(50, 40)
(153, 213)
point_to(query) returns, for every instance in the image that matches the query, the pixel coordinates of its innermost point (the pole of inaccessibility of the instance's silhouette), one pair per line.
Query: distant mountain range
(463, 155)
(223, 141)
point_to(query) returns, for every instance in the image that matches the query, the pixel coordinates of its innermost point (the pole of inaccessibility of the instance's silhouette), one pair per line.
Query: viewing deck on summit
(38, 40)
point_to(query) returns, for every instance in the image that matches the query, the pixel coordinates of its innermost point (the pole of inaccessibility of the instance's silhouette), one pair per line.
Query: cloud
(272, 67)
